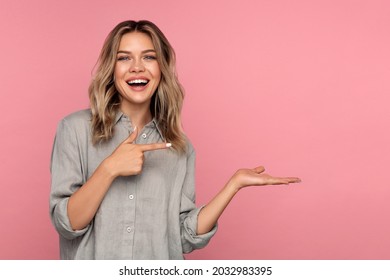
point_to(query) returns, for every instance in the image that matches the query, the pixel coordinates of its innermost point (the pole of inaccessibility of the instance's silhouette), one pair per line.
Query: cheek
(158, 78)
(155, 70)
(118, 72)
(157, 74)
(117, 75)
(120, 89)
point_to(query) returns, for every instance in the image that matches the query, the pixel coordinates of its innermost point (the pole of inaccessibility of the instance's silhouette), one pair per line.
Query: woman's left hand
(210, 214)
(255, 177)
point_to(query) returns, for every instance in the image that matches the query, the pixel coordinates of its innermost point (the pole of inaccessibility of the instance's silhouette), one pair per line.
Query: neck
(139, 116)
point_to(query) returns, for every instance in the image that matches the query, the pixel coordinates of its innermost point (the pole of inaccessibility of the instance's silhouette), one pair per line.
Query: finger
(155, 146)
(288, 180)
(259, 169)
(293, 179)
(132, 137)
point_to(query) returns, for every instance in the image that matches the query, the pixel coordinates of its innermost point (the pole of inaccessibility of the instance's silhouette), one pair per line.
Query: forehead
(135, 41)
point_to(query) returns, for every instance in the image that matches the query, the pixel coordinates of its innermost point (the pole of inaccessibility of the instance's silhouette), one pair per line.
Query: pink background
(301, 87)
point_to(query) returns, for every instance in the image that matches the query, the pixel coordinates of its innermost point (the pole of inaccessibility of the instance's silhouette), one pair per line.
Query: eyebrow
(145, 51)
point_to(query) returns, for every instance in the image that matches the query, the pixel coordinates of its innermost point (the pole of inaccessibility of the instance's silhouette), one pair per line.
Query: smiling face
(137, 72)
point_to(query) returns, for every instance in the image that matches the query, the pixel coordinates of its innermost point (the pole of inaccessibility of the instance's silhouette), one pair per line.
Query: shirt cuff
(193, 240)
(62, 223)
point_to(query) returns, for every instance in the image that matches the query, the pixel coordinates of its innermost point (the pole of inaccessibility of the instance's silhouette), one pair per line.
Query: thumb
(132, 136)
(259, 169)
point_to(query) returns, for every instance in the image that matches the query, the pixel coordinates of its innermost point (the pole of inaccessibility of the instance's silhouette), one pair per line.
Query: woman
(123, 171)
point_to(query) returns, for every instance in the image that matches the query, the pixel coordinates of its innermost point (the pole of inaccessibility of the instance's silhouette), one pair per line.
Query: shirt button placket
(129, 219)
(129, 229)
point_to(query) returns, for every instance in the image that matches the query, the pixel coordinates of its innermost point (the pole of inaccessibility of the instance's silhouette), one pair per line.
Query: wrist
(107, 168)
(232, 186)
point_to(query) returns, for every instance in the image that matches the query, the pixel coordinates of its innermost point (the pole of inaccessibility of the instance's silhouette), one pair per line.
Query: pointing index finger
(155, 146)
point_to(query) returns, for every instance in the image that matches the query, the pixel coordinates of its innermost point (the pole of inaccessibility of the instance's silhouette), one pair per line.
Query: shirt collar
(119, 115)
(152, 124)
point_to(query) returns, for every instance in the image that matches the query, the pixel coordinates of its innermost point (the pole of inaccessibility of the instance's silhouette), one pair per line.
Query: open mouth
(138, 83)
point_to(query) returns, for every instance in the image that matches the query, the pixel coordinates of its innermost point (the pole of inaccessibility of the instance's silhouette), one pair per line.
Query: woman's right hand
(128, 158)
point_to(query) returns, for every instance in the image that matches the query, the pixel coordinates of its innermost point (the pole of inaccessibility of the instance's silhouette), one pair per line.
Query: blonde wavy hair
(166, 102)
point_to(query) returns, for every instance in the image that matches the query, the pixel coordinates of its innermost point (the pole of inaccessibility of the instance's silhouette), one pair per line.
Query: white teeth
(138, 81)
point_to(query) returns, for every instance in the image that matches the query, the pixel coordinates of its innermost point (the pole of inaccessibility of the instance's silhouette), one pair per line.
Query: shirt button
(131, 196)
(144, 135)
(128, 229)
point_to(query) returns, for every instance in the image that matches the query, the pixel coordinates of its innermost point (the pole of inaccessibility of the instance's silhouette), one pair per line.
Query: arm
(84, 203)
(126, 160)
(210, 214)
(190, 240)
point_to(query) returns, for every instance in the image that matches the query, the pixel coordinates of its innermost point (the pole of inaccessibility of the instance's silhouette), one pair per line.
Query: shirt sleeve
(189, 213)
(67, 176)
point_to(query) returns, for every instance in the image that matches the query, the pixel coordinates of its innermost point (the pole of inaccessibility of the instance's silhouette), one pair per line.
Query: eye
(123, 58)
(150, 57)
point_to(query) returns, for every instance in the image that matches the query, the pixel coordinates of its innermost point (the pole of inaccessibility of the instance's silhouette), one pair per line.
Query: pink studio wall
(301, 87)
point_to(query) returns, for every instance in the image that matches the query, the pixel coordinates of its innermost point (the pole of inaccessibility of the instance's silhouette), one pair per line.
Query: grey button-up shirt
(147, 216)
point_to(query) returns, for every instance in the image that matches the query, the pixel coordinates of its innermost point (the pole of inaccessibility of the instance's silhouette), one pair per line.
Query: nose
(137, 66)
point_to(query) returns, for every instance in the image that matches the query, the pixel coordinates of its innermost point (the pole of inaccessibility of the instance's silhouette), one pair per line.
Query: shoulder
(79, 117)
(190, 150)
(77, 123)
